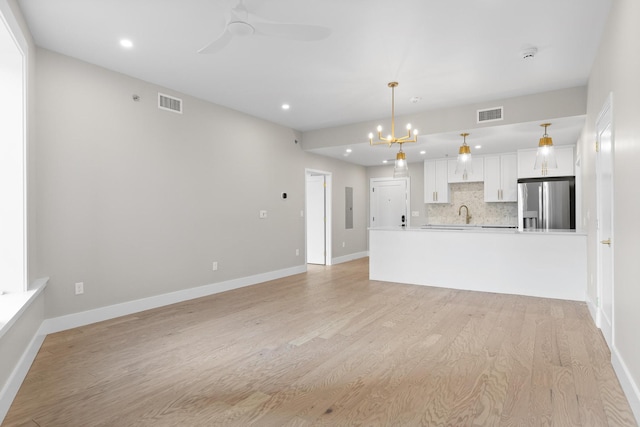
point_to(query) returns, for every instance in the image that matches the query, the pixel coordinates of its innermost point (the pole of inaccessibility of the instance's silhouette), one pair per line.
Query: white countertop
(472, 228)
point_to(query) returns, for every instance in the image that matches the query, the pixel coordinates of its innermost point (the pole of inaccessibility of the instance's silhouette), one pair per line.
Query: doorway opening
(318, 217)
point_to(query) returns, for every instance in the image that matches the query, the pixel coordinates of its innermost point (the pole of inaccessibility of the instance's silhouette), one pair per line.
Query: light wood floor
(330, 348)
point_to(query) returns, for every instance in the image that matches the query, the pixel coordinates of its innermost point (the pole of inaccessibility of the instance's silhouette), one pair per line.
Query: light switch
(263, 214)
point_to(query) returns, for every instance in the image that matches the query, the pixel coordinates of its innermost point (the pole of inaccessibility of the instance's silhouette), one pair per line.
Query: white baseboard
(593, 310)
(83, 318)
(349, 257)
(11, 387)
(630, 388)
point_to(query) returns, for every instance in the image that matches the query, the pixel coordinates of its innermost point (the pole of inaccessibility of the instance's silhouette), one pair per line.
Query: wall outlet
(297, 252)
(79, 288)
(343, 244)
(214, 265)
(263, 214)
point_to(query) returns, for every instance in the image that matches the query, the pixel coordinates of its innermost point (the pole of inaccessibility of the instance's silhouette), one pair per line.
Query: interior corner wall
(134, 201)
(616, 70)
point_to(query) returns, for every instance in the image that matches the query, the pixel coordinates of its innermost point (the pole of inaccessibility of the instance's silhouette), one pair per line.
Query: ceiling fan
(238, 25)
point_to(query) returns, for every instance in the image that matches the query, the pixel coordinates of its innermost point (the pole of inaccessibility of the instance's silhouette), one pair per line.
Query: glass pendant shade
(401, 169)
(545, 156)
(464, 164)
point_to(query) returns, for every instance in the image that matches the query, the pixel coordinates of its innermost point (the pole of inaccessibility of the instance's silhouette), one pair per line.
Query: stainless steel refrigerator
(547, 203)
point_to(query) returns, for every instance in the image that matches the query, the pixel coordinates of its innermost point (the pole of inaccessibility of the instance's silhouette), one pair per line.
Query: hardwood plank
(330, 347)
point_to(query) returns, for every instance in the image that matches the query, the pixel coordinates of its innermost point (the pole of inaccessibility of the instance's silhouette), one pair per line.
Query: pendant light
(546, 156)
(401, 168)
(464, 164)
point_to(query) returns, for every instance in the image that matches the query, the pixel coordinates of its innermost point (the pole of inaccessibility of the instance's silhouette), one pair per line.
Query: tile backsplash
(472, 195)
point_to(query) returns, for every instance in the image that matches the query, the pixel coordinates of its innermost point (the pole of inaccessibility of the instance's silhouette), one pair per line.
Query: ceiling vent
(490, 115)
(169, 103)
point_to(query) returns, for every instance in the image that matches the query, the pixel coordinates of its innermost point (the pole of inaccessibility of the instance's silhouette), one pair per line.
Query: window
(12, 158)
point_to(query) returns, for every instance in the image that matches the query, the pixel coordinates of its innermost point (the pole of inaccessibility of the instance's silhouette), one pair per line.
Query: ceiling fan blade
(292, 31)
(217, 44)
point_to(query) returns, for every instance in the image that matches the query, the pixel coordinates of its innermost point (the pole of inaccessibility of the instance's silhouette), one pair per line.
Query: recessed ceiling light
(285, 106)
(348, 150)
(385, 161)
(477, 147)
(423, 152)
(126, 43)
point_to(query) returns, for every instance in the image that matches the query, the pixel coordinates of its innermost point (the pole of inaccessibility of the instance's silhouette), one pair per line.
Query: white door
(604, 176)
(316, 243)
(389, 202)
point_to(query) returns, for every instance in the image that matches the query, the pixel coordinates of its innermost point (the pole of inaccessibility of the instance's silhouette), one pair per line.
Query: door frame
(407, 198)
(327, 210)
(605, 118)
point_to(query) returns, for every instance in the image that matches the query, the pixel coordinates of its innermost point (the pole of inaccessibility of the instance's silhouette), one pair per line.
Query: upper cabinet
(476, 175)
(500, 178)
(436, 184)
(564, 158)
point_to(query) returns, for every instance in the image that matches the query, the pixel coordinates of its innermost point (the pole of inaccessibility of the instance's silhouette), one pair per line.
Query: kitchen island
(550, 264)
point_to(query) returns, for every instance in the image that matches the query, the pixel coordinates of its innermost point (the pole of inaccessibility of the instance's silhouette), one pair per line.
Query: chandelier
(401, 168)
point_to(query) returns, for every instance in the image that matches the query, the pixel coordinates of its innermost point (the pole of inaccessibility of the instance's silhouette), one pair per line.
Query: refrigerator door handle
(541, 218)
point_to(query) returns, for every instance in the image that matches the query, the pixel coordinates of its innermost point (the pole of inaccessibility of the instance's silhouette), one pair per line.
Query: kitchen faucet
(468, 218)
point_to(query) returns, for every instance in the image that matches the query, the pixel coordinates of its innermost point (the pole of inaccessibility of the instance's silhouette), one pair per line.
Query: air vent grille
(169, 103)
(490, 115)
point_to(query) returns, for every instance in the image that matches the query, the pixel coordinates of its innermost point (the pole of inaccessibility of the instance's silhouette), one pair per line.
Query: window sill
(14, 304)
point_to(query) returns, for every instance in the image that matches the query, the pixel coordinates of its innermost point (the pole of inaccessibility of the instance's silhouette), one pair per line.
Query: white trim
(593, 309)
(14, 304)
(629, 387)
(606, 324)
(350, 257)
(14, 27)
(83, 318)
(19, 373)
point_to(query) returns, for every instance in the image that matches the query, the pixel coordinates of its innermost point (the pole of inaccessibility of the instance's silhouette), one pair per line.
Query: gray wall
(616, 69)
(135, 201)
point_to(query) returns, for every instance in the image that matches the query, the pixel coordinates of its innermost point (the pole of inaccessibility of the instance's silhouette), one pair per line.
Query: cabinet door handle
(606, 242)
(436, 196)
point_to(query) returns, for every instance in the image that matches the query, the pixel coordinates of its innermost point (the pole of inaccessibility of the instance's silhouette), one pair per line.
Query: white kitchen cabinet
(500, 178)
(477, 175)
(436, 181)
(564, 158)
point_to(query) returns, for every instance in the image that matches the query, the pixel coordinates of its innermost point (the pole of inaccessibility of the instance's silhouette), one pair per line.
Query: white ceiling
(448, 52)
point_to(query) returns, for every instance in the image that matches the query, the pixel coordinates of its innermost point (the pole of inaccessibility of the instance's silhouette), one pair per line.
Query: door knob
(606, 242)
